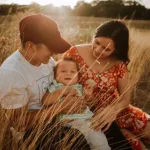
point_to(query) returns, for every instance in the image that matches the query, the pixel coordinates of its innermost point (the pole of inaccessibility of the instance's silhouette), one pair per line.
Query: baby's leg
(97, 140)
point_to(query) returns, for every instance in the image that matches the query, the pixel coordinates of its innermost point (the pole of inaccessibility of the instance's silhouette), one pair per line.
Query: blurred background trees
(97, 8)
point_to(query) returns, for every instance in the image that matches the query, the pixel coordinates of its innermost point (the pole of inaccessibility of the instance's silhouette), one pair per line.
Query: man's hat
(42, 29)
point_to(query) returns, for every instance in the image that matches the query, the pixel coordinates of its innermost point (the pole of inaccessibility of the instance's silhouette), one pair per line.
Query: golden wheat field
(79, 30)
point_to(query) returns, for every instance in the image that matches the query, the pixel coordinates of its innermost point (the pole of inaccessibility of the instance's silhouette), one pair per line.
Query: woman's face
(102, 47)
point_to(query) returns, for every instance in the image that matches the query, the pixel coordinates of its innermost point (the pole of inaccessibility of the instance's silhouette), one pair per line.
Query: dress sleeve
(13, 91)
(70, 53)
(122, 70)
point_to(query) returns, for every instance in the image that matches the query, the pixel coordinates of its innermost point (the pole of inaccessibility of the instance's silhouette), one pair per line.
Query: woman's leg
(116, 138)
(146, 131)
(135, 142)
(135, 120)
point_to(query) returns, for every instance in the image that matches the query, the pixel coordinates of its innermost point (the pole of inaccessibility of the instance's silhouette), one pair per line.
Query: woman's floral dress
(105, 91)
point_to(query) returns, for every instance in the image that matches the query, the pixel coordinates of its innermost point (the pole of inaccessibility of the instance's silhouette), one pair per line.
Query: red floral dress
(105, 91)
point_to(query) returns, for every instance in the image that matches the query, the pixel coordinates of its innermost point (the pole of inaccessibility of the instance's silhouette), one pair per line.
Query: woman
(103, 67)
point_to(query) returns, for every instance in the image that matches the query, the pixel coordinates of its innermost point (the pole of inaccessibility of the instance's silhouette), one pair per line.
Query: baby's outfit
(96, 139)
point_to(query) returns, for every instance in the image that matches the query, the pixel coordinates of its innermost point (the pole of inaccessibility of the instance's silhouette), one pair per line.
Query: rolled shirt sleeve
(13, 90)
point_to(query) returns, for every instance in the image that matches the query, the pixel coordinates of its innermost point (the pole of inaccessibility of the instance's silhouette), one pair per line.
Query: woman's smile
(96, 54)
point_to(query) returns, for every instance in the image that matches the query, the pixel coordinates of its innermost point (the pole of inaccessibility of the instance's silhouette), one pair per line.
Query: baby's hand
(88, 90)
(88, 93)
(89, 87)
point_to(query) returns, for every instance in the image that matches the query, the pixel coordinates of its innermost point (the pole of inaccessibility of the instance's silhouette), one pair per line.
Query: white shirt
(22, 83)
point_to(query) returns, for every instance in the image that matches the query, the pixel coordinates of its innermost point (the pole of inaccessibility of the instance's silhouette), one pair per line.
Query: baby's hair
(65, 59)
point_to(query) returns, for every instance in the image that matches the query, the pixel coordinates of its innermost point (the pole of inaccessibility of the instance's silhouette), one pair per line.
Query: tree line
(97, 8)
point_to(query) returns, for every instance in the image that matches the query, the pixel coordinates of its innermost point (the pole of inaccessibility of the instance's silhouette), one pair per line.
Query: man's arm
(20, 118)
(53, 97)
(13, 93)
(14, 99)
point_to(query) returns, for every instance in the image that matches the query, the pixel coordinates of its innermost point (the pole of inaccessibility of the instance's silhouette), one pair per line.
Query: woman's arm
(105, 116)
(125, 89)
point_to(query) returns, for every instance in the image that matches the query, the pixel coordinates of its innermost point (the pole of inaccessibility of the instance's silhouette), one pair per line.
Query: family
(80, 102)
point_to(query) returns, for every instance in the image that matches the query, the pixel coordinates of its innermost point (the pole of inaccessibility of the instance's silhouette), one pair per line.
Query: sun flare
(54, 2)
(45, 2)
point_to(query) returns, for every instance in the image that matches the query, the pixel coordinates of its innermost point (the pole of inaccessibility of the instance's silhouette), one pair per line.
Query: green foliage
(12, 9)
(112, 9)
(98, 8)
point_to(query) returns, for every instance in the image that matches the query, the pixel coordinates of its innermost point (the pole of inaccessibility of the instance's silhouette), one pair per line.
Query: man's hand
(52, 98)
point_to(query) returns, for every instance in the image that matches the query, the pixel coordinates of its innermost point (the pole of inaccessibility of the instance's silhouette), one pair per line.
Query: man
(26, 74)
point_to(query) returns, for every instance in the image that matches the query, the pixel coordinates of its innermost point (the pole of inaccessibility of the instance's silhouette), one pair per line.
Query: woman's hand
(104, 117)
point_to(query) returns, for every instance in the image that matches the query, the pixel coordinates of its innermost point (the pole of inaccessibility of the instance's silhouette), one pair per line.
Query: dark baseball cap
(42, 29)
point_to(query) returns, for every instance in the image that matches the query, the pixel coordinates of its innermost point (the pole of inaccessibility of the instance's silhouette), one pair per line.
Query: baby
(66, 75)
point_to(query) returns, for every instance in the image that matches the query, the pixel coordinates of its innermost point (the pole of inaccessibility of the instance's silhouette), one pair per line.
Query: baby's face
(67, 73)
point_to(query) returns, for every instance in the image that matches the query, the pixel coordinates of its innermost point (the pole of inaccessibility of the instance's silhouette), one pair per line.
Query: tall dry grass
(79, 30)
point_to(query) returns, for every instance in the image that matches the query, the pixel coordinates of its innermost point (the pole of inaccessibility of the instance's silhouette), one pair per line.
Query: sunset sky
(71, 3)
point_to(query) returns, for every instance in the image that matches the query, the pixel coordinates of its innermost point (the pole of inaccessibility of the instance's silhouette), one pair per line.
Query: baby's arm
(51, 98)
